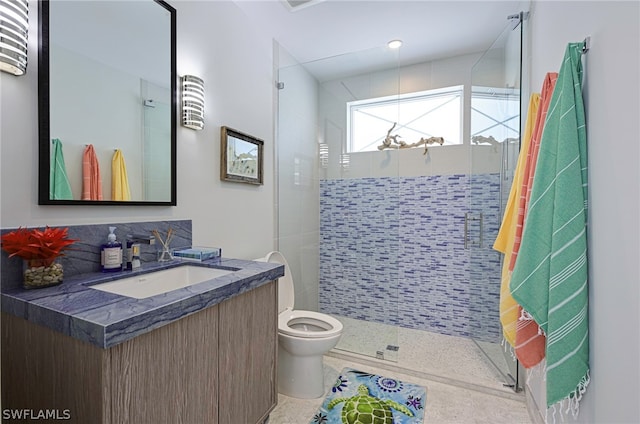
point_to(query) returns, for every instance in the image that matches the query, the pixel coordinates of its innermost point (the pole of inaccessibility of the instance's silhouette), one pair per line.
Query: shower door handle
(466, 230)
(468, 219)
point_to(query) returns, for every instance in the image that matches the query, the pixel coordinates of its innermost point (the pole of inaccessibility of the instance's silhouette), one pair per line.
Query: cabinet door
(169, 374)
(43, 370)
(248, 342)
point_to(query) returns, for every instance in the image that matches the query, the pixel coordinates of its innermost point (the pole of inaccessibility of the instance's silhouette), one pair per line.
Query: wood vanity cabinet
(215, 366)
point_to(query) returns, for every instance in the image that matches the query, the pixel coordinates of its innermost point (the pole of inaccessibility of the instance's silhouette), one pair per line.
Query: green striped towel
(59, 187)
(550, 276)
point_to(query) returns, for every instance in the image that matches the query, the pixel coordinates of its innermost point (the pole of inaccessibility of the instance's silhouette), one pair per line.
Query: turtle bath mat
(361, 398)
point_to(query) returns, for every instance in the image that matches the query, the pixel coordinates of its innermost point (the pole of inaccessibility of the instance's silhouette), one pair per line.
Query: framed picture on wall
(241, 157)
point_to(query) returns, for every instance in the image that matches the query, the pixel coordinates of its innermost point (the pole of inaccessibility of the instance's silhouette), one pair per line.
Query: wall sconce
(192, 102)
(14, 24)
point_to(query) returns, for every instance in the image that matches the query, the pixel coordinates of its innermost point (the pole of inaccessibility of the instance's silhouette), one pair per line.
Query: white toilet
(303, 337)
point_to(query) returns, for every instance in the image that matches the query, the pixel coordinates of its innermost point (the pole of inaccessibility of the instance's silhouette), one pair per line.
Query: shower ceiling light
(394, 44)
(14, 24)
(192, 102)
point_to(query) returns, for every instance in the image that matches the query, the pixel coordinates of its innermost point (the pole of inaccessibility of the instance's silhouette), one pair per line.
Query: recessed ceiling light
(394, 44)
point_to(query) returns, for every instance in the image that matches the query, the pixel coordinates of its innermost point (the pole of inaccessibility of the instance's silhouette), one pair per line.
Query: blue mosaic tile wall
(392, 251)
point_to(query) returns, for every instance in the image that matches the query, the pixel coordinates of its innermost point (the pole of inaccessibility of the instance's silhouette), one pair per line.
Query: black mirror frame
(44, 126)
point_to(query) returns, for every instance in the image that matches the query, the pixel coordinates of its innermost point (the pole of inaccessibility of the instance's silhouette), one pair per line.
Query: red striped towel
(91, 180)
(530, 341)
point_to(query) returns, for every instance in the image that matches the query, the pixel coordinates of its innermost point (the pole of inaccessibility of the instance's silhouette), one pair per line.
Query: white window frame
(353, 106)
(503, 128)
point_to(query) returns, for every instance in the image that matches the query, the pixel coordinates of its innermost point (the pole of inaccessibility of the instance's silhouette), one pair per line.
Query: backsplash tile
(392, 251)
(84, 255)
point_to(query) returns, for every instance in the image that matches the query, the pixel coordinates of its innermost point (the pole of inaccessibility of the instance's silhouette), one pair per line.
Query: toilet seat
(301, 324)
(308, 324)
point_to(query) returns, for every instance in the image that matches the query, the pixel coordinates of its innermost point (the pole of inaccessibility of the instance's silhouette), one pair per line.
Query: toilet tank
(286, 294)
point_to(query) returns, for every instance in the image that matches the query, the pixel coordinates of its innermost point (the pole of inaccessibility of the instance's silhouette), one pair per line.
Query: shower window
(424, 114)
(495, 112)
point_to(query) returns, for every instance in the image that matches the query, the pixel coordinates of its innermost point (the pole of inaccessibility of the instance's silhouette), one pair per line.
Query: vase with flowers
(39, 249)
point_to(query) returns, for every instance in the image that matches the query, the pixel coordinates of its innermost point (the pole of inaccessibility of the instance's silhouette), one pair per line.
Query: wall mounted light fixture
(192, 102)
(14, 24)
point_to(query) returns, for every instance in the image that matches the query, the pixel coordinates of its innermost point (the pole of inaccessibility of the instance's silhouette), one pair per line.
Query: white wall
(611, 93)
(215, 42)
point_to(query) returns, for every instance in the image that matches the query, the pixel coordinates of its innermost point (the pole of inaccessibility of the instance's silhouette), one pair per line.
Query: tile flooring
(458, 360)
(462, 384)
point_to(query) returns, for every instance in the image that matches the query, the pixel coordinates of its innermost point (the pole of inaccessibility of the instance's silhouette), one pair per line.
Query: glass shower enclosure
(338, 204)
(389, 239)
(495, 140)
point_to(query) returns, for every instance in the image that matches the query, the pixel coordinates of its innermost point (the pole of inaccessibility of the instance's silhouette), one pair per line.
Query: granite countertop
(105, 319)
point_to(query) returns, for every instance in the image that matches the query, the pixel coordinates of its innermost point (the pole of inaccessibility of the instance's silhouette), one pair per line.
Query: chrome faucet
(133, 249)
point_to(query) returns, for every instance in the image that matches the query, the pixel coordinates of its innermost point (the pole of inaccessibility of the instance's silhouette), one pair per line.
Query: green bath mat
(361, 398)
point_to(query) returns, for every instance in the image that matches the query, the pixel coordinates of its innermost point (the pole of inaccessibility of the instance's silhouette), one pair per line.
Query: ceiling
(429, 29)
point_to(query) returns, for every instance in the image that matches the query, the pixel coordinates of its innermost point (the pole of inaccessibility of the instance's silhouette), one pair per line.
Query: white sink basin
(154, 283)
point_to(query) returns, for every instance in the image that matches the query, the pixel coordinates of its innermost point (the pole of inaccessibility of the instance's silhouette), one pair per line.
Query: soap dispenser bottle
(111, 253)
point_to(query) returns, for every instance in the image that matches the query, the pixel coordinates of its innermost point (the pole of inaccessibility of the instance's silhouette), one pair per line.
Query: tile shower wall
(392, 251)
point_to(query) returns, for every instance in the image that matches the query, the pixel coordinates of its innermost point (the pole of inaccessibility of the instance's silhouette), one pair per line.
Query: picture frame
(241, 157)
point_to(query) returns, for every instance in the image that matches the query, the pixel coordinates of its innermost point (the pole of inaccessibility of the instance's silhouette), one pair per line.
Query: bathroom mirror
(107, 79)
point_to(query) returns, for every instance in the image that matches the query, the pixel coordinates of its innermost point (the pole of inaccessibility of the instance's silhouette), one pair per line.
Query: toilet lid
(286, 295)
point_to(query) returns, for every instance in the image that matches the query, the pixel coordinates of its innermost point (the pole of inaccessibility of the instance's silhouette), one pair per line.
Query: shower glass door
(495, 138)
(338, 195)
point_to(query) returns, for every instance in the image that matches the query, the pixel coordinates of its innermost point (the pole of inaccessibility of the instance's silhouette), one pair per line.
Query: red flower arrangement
(32, 245)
